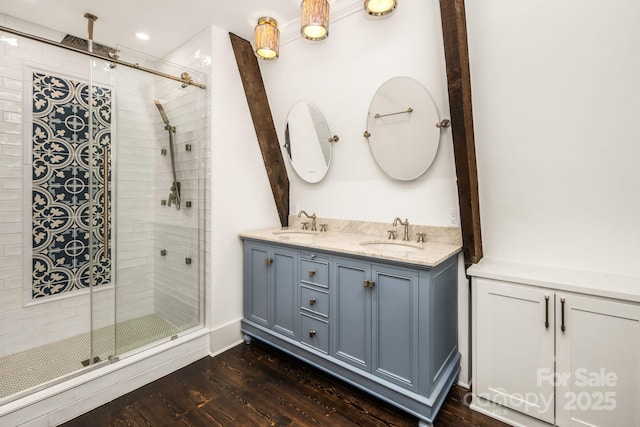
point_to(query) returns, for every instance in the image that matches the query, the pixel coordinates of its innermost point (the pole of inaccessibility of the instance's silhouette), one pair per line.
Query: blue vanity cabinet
(387, 327)
(376, 320)
(270, 287)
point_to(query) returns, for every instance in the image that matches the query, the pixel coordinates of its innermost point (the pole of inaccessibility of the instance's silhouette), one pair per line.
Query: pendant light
(267, 38)
(380, 7)
(314, 23)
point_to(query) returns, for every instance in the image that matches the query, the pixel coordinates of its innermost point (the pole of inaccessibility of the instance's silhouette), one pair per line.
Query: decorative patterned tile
(49, 276)
(68, 182)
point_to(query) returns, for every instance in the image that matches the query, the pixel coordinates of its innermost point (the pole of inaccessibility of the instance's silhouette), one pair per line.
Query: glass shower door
(158, 203)
(100, 278)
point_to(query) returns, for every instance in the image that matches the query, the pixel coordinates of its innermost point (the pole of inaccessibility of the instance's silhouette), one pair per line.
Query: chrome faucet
(312, 218)
(398, 221)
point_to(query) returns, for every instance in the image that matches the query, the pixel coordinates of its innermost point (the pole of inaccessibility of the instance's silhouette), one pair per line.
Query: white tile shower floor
(30, 368)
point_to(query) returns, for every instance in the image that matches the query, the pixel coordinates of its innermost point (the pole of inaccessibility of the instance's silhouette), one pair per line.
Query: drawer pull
(562, 327)
(312, 273)
(312, 333)
(312, 301)
(268, 261)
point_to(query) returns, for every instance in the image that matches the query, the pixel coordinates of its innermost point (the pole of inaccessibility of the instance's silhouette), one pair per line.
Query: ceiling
(169, 23)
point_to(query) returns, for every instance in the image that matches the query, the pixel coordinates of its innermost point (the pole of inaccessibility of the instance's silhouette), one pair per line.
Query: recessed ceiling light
(142, 36)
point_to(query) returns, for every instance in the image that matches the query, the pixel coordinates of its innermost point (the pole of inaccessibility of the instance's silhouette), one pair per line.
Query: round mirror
(308, 142)
(401, 128)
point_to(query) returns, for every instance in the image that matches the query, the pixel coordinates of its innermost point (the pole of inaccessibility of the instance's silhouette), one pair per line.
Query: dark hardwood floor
(257, 385)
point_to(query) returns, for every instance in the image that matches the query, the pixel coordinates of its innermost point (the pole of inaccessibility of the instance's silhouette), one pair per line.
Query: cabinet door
(256, 283)
(351, 319)
(285, 283)
(514, 348)
(395, 321)
(598, 362)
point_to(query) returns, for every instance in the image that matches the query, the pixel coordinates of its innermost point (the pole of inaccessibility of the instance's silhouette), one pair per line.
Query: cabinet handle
(312, 273)
(369, 284)
(562, 327)
(312, 333)
(546, 311)
(268, 261)
(312, 301)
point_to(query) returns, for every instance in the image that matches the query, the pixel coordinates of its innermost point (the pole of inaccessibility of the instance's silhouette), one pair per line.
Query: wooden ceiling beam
(454, 31)
(263, 123)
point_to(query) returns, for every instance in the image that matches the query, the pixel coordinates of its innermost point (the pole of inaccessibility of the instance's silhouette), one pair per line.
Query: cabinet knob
(369, 284)
(268, 261)
(312, 333)
(312, 301)
(312, 273)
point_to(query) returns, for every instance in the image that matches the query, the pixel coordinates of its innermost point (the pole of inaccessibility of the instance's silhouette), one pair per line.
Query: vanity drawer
(315, 301)
(315, 272)
(315, 333)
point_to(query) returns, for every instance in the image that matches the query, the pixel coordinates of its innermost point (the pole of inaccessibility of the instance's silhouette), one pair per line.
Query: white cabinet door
(514, 347)
(598, 362)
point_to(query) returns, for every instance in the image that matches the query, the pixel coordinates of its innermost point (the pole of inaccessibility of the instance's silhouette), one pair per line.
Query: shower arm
(90, 20)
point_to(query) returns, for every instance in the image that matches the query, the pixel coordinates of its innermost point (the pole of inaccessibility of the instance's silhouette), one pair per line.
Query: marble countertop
(347, 238)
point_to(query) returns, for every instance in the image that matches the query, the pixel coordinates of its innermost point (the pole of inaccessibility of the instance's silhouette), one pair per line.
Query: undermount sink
(393, 246)
(296, 233)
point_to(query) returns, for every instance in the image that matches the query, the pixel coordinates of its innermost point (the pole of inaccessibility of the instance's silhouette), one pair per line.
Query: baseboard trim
(224, 337)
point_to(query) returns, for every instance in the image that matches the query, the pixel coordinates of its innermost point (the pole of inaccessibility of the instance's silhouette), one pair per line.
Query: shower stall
(102, 208)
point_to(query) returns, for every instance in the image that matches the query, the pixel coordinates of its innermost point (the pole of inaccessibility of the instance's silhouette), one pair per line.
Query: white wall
(242, 197)
(556, 99)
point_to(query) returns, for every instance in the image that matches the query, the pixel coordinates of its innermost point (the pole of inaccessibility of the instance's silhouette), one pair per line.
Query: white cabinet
(513, 346)
(519, 331)
(597, 362)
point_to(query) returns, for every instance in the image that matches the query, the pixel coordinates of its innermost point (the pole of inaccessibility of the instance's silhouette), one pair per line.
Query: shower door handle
(105, 213)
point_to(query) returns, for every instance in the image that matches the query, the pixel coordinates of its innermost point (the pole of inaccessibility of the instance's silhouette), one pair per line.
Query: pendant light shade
(380, 7)
(314, 22)
(267, 38)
